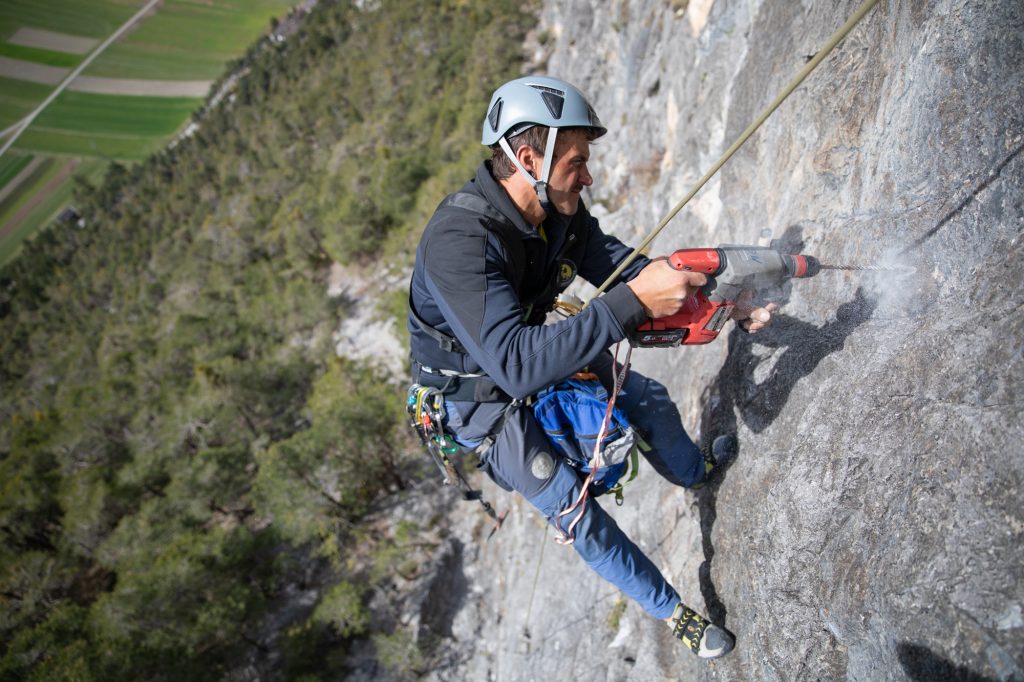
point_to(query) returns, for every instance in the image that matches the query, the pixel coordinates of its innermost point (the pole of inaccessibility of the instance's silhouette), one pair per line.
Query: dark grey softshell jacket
(464, 285)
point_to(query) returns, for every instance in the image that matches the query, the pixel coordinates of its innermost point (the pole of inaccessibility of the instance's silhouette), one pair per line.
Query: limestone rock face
(871, 527)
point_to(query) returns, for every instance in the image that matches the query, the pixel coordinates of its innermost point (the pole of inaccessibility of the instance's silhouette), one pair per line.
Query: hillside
(189, 474)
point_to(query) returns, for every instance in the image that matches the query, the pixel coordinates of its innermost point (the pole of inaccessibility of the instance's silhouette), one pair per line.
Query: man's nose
(585, 178)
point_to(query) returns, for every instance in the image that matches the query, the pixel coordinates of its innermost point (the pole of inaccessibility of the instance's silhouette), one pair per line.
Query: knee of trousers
(523, 459)
(597, 536)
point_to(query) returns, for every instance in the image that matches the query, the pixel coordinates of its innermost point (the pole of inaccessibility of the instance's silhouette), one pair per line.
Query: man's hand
(661, 289)
(750, 318)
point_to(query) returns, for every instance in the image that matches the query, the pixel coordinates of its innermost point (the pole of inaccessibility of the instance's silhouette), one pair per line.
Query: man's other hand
(662, 290)
(750, 318)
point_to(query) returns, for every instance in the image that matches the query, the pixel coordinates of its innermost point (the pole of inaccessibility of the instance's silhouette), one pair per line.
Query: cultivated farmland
(84, 124)
(88, 18)
(18, 98)
(164, 46)
(180, 46)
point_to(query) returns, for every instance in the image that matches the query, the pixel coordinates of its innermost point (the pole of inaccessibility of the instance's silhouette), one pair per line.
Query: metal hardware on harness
(426, 411)
(568, 305)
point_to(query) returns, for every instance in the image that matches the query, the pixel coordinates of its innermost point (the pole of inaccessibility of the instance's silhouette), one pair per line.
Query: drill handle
(711, 262)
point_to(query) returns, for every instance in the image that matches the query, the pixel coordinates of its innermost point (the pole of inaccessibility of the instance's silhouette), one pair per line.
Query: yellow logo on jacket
(566, 273)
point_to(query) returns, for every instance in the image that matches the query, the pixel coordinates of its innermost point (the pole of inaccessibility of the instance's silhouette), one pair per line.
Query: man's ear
(530, 159)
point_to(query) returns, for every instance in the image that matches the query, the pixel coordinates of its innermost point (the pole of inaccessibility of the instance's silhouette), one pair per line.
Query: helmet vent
(553, 98)
(494, 116)
(544, 88)
(554, 103)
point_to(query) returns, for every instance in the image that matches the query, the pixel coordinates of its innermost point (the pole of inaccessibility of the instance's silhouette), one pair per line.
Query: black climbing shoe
(717, 456)
(703, 637)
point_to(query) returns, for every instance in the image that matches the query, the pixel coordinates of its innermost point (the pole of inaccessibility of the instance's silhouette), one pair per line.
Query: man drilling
(489, 265)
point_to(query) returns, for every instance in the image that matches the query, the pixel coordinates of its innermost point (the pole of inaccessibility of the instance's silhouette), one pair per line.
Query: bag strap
(449, 344)
(634, 469)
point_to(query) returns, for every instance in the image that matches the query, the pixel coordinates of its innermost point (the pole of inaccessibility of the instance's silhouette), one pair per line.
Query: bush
(342, 608)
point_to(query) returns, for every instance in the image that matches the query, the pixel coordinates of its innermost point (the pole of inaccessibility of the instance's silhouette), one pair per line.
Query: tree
(318, 483)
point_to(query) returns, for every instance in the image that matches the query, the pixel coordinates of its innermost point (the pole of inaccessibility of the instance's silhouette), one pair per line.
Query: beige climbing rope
(768, 111)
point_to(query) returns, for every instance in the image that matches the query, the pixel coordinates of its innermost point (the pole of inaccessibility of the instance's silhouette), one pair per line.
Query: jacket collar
(485, 185)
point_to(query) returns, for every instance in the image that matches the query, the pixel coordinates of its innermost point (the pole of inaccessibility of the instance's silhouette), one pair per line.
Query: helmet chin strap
(540, 186)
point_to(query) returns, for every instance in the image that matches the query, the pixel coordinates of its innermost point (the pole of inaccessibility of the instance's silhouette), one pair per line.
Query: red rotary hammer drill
(731, 269)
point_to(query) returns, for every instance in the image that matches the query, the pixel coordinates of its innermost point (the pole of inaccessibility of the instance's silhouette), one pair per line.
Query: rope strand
(768, 111)
(567, 536)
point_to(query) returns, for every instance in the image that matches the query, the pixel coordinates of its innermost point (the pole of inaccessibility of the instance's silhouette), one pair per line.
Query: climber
(488, 267)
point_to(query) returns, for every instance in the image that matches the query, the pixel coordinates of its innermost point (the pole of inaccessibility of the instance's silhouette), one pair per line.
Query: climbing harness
(604, 472)
(427, 416)
(854, 19)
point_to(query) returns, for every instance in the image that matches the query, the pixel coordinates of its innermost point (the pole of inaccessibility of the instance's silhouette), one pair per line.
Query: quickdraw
(427, 415)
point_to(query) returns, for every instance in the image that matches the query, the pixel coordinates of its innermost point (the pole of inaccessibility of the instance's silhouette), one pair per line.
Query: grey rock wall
(871, 528)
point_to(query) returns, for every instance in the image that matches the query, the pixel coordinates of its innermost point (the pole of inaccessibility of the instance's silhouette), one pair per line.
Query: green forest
(179, 444)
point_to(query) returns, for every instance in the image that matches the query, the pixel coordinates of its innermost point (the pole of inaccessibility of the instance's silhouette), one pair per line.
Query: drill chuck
(801, 266)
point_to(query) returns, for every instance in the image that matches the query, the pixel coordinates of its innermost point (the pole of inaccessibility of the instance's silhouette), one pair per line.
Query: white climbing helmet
(537, 100)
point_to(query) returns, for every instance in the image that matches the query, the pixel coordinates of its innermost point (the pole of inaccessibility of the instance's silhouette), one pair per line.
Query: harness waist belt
(463, 388)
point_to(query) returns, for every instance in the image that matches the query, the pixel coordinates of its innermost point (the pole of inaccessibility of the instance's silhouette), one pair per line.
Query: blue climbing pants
(522, 459)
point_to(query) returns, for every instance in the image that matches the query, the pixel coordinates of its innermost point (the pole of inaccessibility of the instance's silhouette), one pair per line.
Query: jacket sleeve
(471, 287)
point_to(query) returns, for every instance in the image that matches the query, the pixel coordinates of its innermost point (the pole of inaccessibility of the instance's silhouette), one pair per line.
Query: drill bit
(852, 267)
(903, 269)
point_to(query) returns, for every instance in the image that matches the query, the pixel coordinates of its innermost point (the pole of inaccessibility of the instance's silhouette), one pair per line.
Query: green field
(19, 98)
(182, 40)
(110, 147)
(84, 112)
(42, 173)
(90, 18)
(10, 166)
(188, 40)
(157, 62)
(109, 126)
(40, 56)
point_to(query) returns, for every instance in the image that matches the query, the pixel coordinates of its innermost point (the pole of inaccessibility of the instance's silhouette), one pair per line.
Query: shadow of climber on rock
(804, 346)
(921, 663)
(758, 403)
(707, 505)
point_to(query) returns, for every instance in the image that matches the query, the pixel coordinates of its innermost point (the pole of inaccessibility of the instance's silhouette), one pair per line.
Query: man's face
(569, 174)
